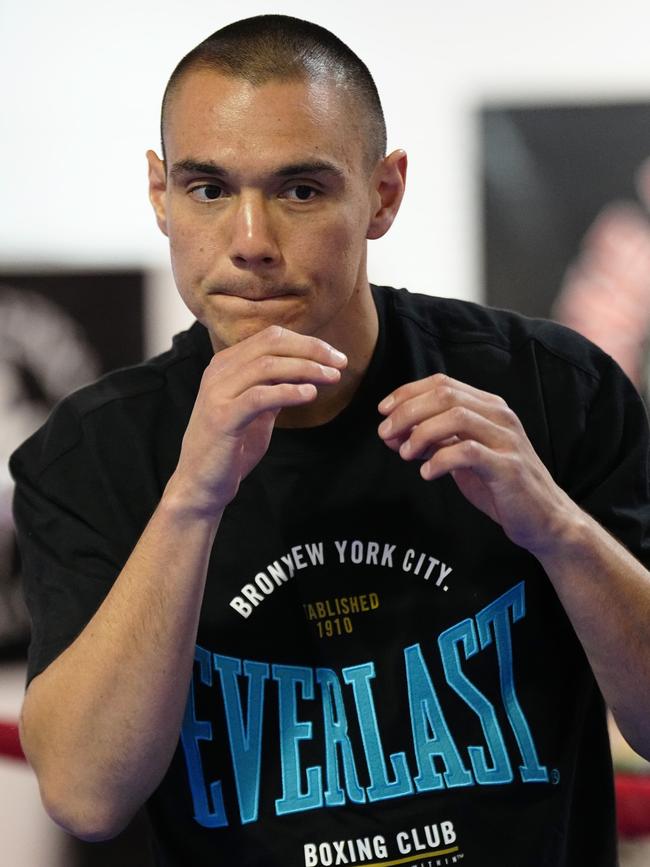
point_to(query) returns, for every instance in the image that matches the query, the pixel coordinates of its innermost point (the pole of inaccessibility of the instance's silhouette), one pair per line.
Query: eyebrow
(209, 167)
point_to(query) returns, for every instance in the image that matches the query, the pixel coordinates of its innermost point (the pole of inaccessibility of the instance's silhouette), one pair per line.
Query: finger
(438, 382)
(434, 402)
(397, 443)
(265, 398)
(463, 455)
(275, 370)
(459, 423)
(279, 341)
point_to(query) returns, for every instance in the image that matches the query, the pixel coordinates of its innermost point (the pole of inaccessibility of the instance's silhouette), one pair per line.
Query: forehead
(225, 118)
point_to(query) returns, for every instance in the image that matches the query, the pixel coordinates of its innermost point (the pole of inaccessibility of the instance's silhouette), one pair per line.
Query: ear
(388, 182)
(158, 189)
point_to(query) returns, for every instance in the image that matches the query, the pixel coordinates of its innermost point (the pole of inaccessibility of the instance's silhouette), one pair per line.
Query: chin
(227, 333)
(223, 337)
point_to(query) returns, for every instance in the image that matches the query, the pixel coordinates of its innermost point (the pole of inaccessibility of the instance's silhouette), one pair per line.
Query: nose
(253, 241)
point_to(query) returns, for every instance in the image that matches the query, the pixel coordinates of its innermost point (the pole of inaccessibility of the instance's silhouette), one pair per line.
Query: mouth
(256, 297)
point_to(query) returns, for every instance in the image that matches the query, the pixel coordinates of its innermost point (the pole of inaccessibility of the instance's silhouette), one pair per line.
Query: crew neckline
(362, 409)
(375, 384)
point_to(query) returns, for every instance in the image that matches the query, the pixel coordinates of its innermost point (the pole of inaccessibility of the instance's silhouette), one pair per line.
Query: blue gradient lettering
(192, 731)
(245, 737)
(292, 731)
(336, 737)
(500, 769)
(381, 787)
(426, 714)
(496, 615)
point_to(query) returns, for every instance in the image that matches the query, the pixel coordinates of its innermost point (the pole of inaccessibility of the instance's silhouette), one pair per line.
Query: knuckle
(274, 332)
(516, 468)
(256, 396)
(406, 413)
(508, 416)
(266, 363)
(460, 415)
(445, 396)
(470, 449)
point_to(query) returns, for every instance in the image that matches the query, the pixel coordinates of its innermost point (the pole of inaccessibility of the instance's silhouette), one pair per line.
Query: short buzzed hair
(281, 48)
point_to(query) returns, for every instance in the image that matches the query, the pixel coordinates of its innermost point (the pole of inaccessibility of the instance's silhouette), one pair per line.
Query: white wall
(82, 84)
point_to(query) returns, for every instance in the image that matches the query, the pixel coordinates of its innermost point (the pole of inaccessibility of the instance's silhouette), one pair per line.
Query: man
(338, 537)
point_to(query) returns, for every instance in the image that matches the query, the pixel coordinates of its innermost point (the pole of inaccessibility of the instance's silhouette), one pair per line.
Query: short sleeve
(69, 560)
(607, 472)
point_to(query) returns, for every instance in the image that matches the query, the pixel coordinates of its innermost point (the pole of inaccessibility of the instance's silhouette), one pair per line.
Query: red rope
(10, 742)
(633, 805)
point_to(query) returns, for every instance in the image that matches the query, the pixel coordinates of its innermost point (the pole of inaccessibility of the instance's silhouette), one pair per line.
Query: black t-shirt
(381, 676)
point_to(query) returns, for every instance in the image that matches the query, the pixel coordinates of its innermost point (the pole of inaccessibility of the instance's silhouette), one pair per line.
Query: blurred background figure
(605, 294)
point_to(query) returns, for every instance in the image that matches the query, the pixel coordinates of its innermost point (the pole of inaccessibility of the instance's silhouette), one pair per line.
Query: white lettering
(387, 555)
(277, 573)
(448, 833)
(264, 583)
(316, 554)
(358, 850)
(432, 564)
(240, 606)
(325, 853)
(371, 555)
(403, 843)
(432, 835)
(420, 562)
(416, 840)
(340, 547)
(297, 556)
(287, 559)
(251, 594)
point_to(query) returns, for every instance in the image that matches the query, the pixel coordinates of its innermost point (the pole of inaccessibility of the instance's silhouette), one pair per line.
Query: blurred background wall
(80, 97)
(82, 83)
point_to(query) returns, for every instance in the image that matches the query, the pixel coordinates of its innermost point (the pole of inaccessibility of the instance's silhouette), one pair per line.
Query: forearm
(100, 724)
(606, 594)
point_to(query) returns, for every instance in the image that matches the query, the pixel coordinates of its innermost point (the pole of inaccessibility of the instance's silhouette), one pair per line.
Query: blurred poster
(58, 331)
(566, 199)
(547, 174)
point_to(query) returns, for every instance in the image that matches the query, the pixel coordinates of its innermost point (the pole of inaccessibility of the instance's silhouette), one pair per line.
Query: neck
(357, 341)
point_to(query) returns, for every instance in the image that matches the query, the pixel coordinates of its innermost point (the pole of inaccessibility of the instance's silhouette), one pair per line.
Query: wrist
(180, 502)
(570, 540)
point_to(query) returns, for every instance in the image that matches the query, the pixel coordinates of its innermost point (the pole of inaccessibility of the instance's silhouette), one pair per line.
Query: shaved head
(280, 48)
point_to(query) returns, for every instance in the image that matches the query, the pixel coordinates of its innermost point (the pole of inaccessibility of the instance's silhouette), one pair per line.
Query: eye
(303, 193)
(206, 192)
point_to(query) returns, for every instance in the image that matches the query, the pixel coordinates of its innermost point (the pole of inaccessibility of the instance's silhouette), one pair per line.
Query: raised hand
(242, 391)
(473, 435)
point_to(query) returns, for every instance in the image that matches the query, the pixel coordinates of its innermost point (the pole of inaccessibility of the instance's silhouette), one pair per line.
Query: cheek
(187, 257)
(333, 245)
(187, 250)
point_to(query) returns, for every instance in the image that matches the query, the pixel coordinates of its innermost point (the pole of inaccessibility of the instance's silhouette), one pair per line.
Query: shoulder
(119, 399)
(461, 327)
